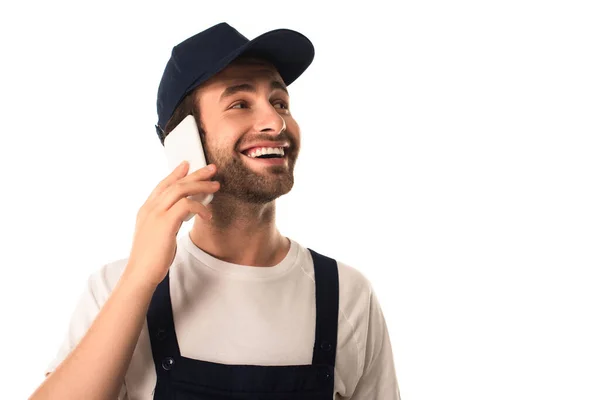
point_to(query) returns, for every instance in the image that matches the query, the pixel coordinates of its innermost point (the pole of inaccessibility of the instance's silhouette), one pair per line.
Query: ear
(160, 133)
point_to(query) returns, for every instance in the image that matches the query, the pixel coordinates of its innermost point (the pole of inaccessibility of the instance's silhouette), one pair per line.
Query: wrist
(135, 282)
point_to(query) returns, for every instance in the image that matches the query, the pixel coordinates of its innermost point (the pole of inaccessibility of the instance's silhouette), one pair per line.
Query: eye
(243, 103)
(283, 104)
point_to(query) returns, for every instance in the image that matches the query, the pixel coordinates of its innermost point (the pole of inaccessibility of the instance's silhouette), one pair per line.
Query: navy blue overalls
(181, 378)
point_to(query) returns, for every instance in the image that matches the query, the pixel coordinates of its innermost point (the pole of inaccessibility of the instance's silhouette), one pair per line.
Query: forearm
(95, 368)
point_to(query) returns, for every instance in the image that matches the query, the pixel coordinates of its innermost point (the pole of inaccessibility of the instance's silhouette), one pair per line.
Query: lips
(246, 149)
(268, 161)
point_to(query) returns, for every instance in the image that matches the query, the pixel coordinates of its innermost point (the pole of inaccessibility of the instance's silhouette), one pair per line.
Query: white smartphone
(183, 143)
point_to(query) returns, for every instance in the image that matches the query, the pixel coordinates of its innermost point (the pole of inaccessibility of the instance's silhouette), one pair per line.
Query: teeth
(266, 150)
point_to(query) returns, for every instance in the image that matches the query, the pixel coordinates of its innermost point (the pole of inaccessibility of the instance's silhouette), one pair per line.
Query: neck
(241, 233)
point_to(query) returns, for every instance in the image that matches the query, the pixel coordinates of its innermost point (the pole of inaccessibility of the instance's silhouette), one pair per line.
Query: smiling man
(233, 309)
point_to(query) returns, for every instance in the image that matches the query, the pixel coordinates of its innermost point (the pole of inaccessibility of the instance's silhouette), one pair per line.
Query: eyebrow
(247, 87)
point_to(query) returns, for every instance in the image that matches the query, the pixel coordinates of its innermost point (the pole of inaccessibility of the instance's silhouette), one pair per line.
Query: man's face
(243, 106)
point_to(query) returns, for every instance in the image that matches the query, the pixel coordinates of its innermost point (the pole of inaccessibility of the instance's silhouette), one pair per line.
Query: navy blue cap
(200, 57)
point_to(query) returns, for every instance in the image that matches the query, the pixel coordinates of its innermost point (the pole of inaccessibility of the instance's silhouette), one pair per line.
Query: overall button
(326, 346)
(325, 375)
(168, 363)
(161, 334)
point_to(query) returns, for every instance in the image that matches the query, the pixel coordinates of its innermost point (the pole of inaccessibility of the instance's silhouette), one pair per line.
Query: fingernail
(211, 167)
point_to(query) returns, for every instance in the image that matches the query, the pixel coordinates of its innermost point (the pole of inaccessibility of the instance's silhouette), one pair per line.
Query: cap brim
(289, 51)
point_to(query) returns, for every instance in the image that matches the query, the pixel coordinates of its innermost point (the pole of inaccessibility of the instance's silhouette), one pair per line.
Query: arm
(96, 367)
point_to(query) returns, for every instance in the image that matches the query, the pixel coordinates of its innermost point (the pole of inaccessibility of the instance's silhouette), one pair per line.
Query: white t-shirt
(235, 314)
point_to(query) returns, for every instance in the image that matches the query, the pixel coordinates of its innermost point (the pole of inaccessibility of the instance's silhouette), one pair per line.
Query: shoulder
(353, 280)
(354, 317)
(354, 287)
(356, 293)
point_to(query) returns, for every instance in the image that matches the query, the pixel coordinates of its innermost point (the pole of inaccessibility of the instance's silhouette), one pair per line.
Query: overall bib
(182, 378)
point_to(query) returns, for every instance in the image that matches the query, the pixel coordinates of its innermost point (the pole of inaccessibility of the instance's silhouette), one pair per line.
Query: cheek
(294, 130)
(292, 124)
(224, 133)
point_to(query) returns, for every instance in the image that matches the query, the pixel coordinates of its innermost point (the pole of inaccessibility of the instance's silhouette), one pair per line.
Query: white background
(450, 153)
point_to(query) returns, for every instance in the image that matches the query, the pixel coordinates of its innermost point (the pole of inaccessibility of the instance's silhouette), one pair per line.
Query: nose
(270, 121)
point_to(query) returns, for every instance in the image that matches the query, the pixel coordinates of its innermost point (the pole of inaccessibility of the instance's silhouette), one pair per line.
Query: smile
(265, 152)
(267, 159)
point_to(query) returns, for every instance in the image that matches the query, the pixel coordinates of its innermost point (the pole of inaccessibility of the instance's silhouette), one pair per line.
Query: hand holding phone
(183, 144)
(159, 220)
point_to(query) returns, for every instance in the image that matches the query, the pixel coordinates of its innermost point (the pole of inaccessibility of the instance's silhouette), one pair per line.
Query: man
(233, 309)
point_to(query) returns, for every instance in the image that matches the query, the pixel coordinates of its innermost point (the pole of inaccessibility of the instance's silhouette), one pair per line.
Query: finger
(184, 206)
(181, 190)
(179, 172)
(202, 174)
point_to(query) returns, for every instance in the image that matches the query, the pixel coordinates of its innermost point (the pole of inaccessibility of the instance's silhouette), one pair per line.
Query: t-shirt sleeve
(378, 380)
(87, 308)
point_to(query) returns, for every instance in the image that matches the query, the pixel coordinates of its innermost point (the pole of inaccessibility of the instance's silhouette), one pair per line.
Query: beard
(255, 184)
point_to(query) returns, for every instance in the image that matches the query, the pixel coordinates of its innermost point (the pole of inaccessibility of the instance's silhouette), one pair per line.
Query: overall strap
(327, 300)
(161, 328)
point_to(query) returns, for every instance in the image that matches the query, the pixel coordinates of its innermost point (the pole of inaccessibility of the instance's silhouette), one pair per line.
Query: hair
(187, 106)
